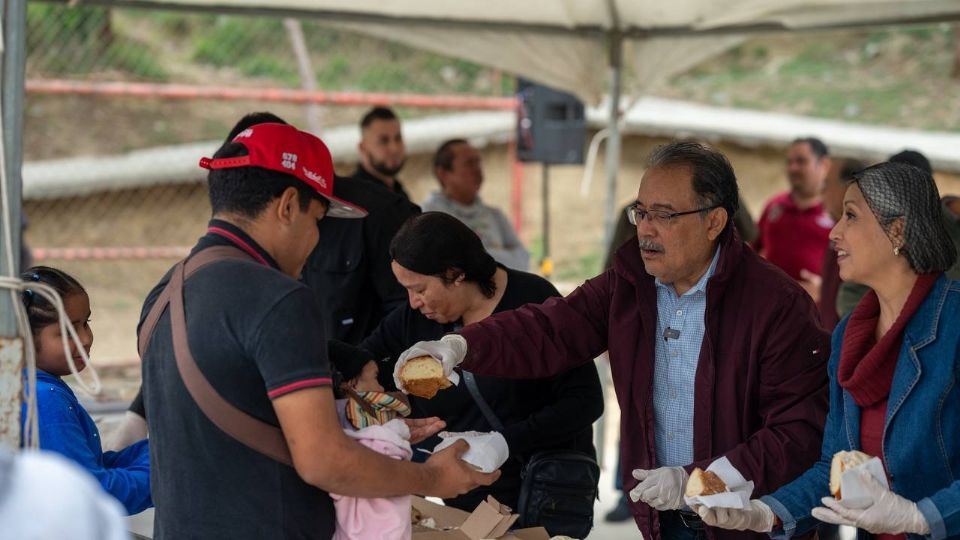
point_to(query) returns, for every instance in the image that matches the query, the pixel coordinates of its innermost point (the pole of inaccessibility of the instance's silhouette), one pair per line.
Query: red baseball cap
(286, 149)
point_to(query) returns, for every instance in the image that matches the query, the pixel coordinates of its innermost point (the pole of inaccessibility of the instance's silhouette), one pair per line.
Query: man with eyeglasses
(714, 352)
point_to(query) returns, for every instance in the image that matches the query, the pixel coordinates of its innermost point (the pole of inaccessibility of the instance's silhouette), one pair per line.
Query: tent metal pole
(14, 14)
(613, 141)
(612, 165)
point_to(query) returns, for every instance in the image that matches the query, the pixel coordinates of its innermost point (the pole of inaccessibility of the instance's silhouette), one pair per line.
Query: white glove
(758, 517)
(450, 350)
(889, 513)
(660, 488)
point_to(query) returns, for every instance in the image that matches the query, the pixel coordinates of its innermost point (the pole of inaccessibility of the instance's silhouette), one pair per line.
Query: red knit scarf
(866, 365)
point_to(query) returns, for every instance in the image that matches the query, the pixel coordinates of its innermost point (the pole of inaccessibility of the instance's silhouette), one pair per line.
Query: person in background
(793, 226)
(349, 271)
(851, 292)
(65, 427)
(893, 371)
(381, 149)
(824, 287)
(458, 168)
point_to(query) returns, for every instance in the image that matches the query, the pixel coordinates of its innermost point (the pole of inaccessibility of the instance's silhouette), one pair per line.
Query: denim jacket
(921, 435)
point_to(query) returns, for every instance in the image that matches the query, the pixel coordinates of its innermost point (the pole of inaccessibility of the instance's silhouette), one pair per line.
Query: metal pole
(546, 263)
(612, 164)
(11, 348)
(307, 78)
(613, 141)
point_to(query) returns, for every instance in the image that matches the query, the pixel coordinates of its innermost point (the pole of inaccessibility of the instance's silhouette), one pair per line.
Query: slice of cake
(703, 483)
(842, 461)
(423, 377)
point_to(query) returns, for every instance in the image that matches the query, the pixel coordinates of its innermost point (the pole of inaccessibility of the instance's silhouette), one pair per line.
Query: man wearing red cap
(247, 329)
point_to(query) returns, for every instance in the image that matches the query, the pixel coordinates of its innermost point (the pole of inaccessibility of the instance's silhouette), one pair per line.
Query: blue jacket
(921, 436)
(66, 428)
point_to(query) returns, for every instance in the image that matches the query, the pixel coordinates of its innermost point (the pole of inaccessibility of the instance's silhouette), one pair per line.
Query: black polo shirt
(256, 335)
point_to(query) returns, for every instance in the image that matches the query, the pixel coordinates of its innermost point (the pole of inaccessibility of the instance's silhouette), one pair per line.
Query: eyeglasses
(659, 217)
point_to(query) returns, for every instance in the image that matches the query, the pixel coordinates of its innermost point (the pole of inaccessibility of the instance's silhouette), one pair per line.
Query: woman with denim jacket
(894, 370)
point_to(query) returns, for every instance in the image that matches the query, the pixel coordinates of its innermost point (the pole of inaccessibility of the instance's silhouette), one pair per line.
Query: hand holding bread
(843, 461)
(423, 377)
(888, 513)
(703, 483)
(427, 366)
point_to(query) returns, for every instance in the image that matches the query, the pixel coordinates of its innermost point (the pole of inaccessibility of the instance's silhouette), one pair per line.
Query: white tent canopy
(570, 44)
(566, 44)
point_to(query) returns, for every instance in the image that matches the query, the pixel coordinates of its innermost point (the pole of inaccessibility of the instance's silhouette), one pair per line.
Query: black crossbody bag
(558, 487)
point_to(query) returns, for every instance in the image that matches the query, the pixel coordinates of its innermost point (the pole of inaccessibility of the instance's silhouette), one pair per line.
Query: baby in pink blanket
(373, 418)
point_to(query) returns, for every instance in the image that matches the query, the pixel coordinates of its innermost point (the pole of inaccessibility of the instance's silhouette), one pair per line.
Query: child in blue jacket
(65, 427)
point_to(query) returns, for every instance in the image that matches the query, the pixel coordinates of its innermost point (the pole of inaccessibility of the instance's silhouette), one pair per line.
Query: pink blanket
(384, 518)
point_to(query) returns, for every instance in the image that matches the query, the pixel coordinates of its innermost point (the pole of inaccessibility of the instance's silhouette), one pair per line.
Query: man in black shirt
(255, 334)
(349, 271)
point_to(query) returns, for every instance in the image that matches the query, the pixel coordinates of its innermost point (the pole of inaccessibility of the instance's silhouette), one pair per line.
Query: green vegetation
(897, 77)
(883, 76)
(577, 269)
(79, 41)
(137, 44)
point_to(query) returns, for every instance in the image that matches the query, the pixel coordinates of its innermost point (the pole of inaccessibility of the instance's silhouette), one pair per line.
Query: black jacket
(362, 174)
(349, 271)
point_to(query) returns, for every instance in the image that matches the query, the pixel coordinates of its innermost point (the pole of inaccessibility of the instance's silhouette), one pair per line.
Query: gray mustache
(650, 245)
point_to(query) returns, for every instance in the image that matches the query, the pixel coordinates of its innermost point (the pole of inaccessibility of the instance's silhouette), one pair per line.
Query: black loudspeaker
(551, 126)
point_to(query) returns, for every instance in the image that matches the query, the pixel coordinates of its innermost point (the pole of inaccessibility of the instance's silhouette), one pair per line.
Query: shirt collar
(701, 285)
(364, 174)
(477, 203)
(222, 233)
(789, 204)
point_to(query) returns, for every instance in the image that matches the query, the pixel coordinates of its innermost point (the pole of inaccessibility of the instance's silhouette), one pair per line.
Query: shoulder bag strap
(256, 434)
(471, 382)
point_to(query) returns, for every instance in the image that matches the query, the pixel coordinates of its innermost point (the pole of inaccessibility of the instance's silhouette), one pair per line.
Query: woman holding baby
(893, 373)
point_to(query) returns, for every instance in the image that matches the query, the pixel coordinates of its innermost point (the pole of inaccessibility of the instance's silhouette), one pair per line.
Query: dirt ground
(176, 215)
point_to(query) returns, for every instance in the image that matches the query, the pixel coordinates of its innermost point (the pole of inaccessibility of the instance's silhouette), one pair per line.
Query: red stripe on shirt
(306, 383)
(239, 242)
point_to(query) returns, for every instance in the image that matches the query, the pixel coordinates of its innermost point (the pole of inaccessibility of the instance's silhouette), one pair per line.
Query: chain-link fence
(118, 234)
(110, 90)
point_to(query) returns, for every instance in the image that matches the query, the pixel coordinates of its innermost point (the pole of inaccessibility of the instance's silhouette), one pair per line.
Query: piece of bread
(423, 377)
(842, 461)
(703, 483)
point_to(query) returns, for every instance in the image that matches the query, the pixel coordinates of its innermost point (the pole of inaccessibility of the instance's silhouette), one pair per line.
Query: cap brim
(340, 208)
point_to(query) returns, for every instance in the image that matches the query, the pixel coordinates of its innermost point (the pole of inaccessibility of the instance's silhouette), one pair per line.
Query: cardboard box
(490, 520)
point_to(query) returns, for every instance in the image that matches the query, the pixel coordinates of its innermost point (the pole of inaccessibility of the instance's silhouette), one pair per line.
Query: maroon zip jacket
(761, 397)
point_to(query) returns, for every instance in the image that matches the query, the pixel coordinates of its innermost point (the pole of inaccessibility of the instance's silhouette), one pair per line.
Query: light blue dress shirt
(680, 329)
